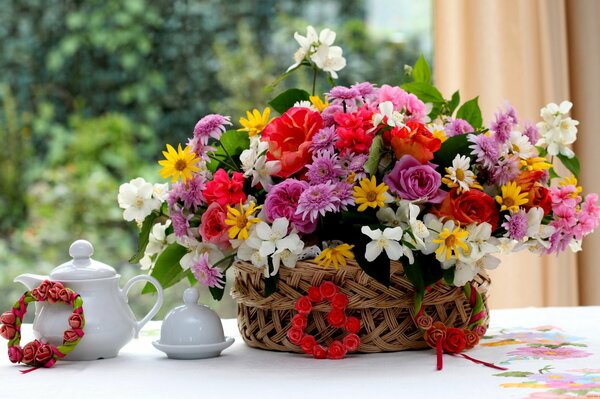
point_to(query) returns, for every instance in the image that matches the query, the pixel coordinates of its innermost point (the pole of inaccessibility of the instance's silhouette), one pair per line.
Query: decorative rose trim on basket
(36, 353)
(335, 318)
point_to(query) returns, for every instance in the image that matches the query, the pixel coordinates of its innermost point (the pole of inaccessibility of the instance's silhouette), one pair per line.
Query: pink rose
(15, 354)
(351, 342)
(30, 350)
(53, 294)
(295, 335)
(39, 295)
(336, 350)
(7, 318)
(212, 226)
(43, 354)
(70, 336)
(8, 331)
(64, 295)
(75, 321)
(337, 318)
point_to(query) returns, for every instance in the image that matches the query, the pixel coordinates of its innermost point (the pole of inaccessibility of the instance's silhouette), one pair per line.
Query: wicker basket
(386, 314)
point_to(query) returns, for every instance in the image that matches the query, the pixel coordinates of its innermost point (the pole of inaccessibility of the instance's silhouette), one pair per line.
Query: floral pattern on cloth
(547, 343)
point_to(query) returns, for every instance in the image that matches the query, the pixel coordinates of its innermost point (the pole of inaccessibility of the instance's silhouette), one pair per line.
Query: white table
(242, 372)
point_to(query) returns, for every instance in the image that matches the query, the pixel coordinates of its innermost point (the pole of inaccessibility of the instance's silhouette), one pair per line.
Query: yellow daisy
(318, 103)
(449, 243)
(240, 220)
(256, 122)
(336, 255)
(512, 197)
(180, 163)
(535, 163)
(438, 132)
(370, 194)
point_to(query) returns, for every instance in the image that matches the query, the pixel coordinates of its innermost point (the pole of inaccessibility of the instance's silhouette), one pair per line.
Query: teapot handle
(157, 304)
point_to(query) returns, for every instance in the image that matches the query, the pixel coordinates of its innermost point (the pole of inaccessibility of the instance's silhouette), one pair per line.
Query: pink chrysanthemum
(340, 94)
(504, 123)
(282, 201)
(344, 193)
(365, 89)
(191, 192)
(530, 131)
(329, 113)
(181, 223)
(200, 149)
(212, 125)
(206, 274)
(485, 148)
(456, 127)
(506, 170)
(324, 139)
(324, 168)
(516, 225)
(353, 163)
(317, 200)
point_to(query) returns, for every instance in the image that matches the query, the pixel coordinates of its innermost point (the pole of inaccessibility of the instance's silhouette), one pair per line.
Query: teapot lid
(82, 266)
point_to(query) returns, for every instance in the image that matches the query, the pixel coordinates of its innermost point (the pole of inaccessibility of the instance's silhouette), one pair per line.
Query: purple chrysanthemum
(485, 148)
(516, 225)
(199, 148)
(206, 274)
(329, 113)
(344, 193)
(282, 201)
(325, 167)
(317, 200)
(352, 163)
(343, 93)
(191, 192)
(531, 132)
(324, 139)
(456, 127)
(212, 125)
(364, 88)
(504, 123)
(181, 224)
(506, 170)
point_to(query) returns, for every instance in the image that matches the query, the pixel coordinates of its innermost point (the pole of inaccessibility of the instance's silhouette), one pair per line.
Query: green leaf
(374, 155)
(167, 269)
(571, 163)
(144, 237)
(448, 275)
(514, 374)
(470, 112)
(426, 92)
(287, 99)
(542, 151)
(271, 281)
(449, 149)
(217, 293)
(234, 142)
(421, 71)
(552, 174)
(453, 103)
(414, 275)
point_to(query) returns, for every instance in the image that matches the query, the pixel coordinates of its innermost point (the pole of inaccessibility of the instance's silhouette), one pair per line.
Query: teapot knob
(191, 296)
(81, 249)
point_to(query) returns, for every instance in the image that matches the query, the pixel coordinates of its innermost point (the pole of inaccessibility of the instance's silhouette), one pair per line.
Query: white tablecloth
(550, 353)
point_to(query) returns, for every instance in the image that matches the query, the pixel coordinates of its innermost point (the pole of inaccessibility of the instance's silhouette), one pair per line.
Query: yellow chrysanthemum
(450, 242)
(535, 163)
(512, 197)
(240, 220)
(336, 256)
(369, 194)
(180, 163)
(256, 122)
(571, 181)
(318, 103)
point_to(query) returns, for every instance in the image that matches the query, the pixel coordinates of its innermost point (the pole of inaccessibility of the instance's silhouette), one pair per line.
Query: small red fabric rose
(7, 331)
(299, 321)
(319, 352)
(328, 289)
(75, 321)
(337, 318)
(455, 341)
(351, 342)
(15, 354)
(336, 350)
(43, 354)
(307, 344)
(30, 350)
(353, 325)
(339, 301)
(7, 318)
(295, 335)
(303, 305)
(315, 294)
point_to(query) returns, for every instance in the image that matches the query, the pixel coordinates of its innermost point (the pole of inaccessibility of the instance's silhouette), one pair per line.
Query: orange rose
(473, 206)
(290, 139)
(413, 139)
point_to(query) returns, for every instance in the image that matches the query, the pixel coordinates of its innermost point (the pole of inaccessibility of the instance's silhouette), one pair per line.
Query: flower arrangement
(366, 173)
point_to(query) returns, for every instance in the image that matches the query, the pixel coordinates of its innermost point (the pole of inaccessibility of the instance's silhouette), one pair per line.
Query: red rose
(212, 226)
(224, 191)
(435, 333)
(307, 344)
(353, 325)
(539, 196)
(472, 339)
(30, 350)
(328, 289)
(75, 321)
(70, 336)
(319, 352)
(15, 354)
(473, 206)
(7, 331)
(336, 318)
(295, 335)
(303, 305)
(352, 131)
(351, 342)
(299, 321)
(336, 350)
(315, 294)
(7, 318)
(339, 301)
(43, 354)
(290, 138)
(413, 139)
(455, 341)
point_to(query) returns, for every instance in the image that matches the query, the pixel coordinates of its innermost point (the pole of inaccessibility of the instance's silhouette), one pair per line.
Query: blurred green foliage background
(90, 92)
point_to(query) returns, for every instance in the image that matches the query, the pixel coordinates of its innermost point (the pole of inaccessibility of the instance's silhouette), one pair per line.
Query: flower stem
(222, 161)
(314, 80)
(236, 166)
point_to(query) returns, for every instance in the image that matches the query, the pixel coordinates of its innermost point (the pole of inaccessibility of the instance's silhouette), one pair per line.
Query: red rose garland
(36, 353)
(336, 318)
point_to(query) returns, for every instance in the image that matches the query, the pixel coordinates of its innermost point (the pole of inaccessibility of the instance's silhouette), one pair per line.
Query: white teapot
(109, 322)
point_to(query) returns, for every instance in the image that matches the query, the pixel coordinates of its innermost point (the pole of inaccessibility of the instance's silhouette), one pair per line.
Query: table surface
(549, 353)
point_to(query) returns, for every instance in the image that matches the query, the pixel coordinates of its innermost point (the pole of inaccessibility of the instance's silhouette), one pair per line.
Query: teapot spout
(30, 280)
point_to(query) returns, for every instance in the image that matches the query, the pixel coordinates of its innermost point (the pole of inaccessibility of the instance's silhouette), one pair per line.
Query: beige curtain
(530, 52)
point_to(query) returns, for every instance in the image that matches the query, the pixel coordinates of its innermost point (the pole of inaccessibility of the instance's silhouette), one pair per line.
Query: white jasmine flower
(387, 240)
(386, 109)
(466, 272)
(557, 130)
(249, 250)
(136, 199)
(305, 104)
(160, 191)
(255, 164)
(306, 43)
(158, 239)
(288, 251)
(271, 235)
(196, 249)
(329, 59)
